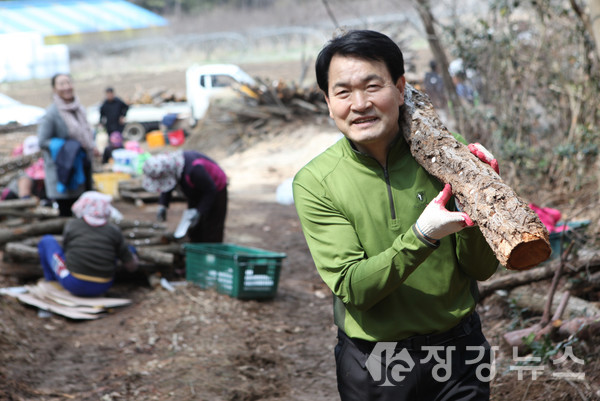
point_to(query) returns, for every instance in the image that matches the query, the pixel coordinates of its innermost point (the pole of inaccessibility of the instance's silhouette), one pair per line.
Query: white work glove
(189, 219)
(484, 155)
(436, 221)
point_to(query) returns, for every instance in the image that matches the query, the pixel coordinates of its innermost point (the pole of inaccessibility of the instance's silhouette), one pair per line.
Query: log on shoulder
(514, 232)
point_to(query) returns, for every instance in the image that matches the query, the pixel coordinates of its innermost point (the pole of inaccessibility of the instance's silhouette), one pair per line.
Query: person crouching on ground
(86, 263)
(203, 183)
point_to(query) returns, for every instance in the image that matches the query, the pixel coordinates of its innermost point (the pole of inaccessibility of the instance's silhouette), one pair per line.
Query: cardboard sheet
(51, 297)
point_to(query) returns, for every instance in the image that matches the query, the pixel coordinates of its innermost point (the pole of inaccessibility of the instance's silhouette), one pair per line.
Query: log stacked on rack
(132, 190)
(12, 166)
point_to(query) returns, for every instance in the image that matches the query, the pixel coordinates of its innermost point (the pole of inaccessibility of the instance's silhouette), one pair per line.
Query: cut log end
(528, 254)
(514, 232)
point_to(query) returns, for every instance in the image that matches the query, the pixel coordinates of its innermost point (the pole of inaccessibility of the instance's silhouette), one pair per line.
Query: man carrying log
(388, 240)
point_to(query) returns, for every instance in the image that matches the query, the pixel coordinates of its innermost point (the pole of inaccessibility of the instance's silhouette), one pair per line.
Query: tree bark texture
(18, 204)
(53, 226)
(508, 281)
(514, 231)
(595, 24)
(524, 297)
(18, 163)
(21, 251)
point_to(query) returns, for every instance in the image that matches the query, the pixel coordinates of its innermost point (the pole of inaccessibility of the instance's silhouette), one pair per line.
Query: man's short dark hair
(109, 90)
(365, 44)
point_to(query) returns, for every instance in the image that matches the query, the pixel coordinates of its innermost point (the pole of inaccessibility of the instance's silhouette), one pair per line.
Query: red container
(176, 138)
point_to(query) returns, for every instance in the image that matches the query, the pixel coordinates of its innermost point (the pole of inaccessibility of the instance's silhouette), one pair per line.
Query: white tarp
(24, 56)
(14, 112)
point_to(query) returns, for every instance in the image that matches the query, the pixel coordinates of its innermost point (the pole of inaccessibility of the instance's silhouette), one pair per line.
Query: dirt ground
(193, 344)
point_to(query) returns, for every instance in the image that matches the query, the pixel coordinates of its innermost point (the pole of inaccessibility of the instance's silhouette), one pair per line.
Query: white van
(205, 82)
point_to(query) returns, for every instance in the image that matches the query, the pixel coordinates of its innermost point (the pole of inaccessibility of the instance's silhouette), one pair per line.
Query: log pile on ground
(131, 190)
(266, 106)
(258, 113)
(10, 167)
(575, 314)
(281, 100)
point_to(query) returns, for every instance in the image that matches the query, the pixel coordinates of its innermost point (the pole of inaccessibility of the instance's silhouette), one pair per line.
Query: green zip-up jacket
(357, 218)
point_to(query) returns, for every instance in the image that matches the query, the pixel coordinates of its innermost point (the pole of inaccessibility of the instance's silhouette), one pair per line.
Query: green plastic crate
(238, 271)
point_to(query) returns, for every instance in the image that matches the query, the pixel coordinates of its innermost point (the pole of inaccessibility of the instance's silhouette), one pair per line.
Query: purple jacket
(201, 180)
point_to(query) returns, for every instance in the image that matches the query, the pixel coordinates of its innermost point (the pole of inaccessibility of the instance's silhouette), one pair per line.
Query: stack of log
(23, 222)
(131, 190)
(576, 313)
(10, 167)
(260, 112)
(281, 99)
(266, 105)
(155, 96)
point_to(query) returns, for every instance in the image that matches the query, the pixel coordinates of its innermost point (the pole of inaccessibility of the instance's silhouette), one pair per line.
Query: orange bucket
(155, 139)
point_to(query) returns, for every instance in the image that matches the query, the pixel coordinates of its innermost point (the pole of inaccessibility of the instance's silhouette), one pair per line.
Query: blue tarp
(69, 17)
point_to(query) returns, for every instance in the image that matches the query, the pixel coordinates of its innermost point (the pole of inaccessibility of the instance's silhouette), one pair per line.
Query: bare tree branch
(435, 44)
(590, 23)
(330, 13)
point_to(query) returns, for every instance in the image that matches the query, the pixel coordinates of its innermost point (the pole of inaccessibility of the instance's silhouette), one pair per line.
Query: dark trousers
(454, 365)
(211, 227)
(64, 206)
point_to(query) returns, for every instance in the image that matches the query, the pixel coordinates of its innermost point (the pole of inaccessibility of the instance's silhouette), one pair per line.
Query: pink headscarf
(36, 170)
(93, 207)
(116, 139)
(162, 171)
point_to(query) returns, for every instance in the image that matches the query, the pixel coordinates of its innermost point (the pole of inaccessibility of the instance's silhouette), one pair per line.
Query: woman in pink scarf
(67, 143)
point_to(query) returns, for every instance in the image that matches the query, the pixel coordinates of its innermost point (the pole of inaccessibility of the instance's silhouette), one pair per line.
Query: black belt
(464, 328)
